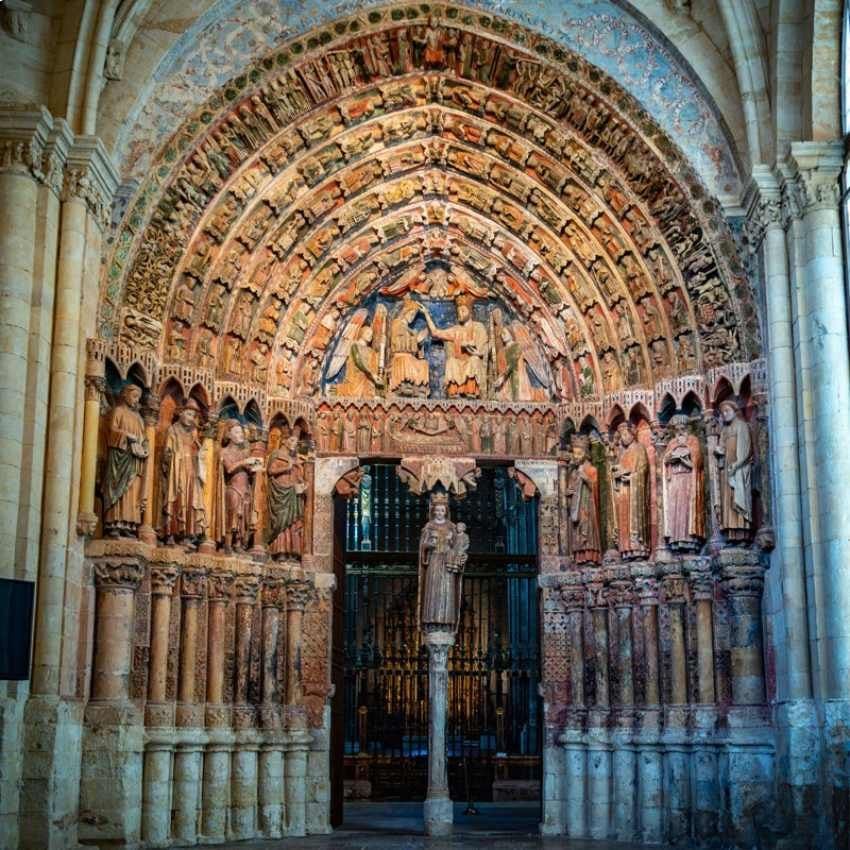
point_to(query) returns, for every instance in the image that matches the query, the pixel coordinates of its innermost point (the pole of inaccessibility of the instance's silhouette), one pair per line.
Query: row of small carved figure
(379, 431)
(682, 482)
(182, 511)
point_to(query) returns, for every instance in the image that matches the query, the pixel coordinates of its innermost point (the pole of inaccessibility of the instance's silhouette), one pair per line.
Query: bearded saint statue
(126, 451)
(683, 483)
(630, 477)
(184, 474)
(235, 519)
(585, 546)
(735, 465)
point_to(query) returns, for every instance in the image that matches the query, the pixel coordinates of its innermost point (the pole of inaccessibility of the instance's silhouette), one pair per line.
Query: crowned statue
(443, 549)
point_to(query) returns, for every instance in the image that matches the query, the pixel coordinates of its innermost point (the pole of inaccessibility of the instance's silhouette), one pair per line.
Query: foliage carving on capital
(192, 583)
(219, 585)
(247, 588)
(163, 579)
(116, 574)
(274, 592)
(646, 590)
(299, 592)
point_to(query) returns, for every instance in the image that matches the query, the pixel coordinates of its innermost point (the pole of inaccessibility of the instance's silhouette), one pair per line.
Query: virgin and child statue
(443, 551)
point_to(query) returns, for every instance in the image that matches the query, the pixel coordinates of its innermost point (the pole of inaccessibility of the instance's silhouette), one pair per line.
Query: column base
(439, 816)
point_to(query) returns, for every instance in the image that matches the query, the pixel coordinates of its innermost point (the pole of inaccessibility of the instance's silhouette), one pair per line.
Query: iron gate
(494, 714)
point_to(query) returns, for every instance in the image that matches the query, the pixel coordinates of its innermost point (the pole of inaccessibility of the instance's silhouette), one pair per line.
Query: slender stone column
(187, 788)
(116, 580)
(743, 578)
(111, 765)
(192, 586)
(296, 785)
(674, 599)
(94, 388)
(208, 433)
(599, 748)
(163, 580)
(438, 811)
(299, 591)
(216, 789)
(575, 763)
(766, 209)
(243, 787)
(826, 391)
(624, 760)
(247, 588)
(270, 774)
(702, 593)
(22, 139)
(218, 597)
(156, 794)
(649, 764)
(150, 414)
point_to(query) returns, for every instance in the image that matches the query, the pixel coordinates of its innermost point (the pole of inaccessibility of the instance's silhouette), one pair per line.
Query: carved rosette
(163, 579)
(193, 583)
(117, 574)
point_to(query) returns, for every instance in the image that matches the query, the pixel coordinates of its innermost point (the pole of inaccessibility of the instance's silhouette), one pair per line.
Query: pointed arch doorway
(380, 708)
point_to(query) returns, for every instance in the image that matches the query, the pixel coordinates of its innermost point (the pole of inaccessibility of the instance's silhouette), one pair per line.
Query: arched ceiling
(342, 166)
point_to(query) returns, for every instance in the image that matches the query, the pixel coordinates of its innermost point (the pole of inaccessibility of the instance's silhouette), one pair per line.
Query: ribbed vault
(343, 168)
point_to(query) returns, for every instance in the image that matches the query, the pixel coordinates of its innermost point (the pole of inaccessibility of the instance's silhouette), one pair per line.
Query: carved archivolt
(327, 176)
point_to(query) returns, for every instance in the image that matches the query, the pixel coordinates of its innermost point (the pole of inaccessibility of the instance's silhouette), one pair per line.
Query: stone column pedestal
(438, 812)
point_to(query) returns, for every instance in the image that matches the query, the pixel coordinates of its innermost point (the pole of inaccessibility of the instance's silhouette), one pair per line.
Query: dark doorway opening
(381, 669)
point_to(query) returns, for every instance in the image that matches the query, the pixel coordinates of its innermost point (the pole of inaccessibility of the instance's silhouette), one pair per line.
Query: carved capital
(90, 177)
(597, 595)
(274, 592)
(247, 587)
(621, 593)
(744, 580)
(193, 583)
(95, 387)
(702, 584)
(574, 598)
(646, 590)
(674, 586)
(25, 135)
(816, 167)
(219, 585)
(163, 579)
(299, 592)
(118, 574)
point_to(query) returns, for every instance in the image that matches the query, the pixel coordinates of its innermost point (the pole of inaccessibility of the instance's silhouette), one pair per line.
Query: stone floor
(398, 826)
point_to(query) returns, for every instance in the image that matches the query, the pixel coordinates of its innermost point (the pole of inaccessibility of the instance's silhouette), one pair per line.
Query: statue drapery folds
(287, 488)
(443, 548)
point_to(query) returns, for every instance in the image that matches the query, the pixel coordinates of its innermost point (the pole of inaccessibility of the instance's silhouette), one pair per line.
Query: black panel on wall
(16, 598)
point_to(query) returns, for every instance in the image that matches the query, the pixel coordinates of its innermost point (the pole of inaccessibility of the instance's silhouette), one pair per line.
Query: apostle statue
(408, 366)
(443, 549)
(235, 517)
(584, 540)
(683, 489)
(287, 490)
(466, 354)
(630, 479)
(735, 471)
(126, 451)
(184, 474)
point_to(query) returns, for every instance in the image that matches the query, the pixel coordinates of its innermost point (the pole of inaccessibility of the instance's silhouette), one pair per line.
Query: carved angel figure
(518, 359)
(360, 352)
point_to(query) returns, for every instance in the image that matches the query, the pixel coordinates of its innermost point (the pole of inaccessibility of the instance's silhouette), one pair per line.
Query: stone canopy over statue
(443, 549)
(457, 345)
